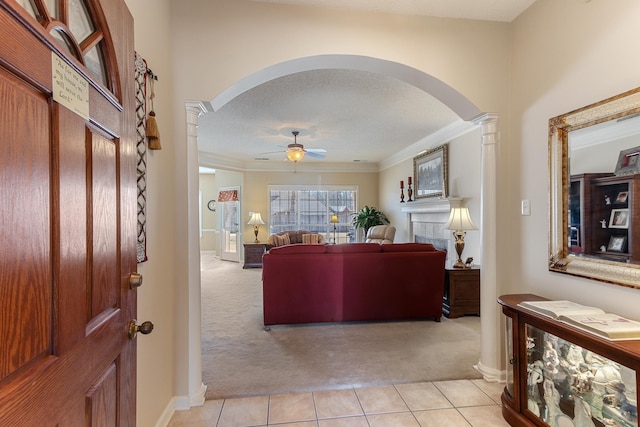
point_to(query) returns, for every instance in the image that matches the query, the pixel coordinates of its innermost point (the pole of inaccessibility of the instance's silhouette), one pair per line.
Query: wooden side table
(461, 292)
(253, 254)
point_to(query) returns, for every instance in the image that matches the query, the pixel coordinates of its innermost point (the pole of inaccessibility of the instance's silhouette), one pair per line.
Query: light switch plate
(526, 208)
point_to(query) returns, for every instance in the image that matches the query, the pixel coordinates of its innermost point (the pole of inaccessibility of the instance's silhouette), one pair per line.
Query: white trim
(444, 135)
(181, 403)
(491, 375)
(418, 78)
(167, 414)
(221, 162)
(432, 205)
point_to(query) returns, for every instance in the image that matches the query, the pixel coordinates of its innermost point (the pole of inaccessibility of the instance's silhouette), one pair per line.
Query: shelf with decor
(601, 216)
(559, 374)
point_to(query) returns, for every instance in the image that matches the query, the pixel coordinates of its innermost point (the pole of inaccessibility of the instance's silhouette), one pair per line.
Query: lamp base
(459, 264)
(255, 231)
(459, 236)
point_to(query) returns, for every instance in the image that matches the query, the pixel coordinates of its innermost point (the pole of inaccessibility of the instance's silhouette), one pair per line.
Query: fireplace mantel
(432, 205)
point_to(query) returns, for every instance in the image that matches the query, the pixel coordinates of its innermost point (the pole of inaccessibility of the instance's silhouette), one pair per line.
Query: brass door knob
(145, 328)
(135, 280)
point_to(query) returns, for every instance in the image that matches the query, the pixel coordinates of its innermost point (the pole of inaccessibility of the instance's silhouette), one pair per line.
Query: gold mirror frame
(560, 260)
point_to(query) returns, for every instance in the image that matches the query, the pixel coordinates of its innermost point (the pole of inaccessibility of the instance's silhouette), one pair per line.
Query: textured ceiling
(356, 116)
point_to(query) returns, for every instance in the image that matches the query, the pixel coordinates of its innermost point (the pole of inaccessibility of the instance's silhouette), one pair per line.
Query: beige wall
(464, 181)
(562, 55)
(218, 43)
(209, 190)
(566, 55)
(156, 359)
(255, 194)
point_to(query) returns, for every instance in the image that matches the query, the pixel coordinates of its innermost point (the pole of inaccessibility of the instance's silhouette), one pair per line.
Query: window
(66, 18)
(307, 208)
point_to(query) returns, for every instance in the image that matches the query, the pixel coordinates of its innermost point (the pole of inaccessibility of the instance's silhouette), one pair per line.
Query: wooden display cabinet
(580, 386)
(602, 216)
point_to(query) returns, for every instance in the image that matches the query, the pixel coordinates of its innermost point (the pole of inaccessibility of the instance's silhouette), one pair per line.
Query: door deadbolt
(135, 280)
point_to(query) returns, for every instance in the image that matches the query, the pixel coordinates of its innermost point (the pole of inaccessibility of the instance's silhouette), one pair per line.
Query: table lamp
(256, 221)
(459, 221)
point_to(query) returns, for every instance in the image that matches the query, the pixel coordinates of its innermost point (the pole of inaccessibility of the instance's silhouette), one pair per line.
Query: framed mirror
(594, 166)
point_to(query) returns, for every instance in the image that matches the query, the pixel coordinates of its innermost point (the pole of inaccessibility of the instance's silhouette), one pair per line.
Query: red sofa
(352, 282)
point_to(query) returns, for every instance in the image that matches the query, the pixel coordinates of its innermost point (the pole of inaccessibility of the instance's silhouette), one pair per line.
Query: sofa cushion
(298, 248)
(408, 247)
(350, 248)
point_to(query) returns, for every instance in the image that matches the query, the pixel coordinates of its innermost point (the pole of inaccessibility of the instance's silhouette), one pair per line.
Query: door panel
(67, 234)
(25, 267)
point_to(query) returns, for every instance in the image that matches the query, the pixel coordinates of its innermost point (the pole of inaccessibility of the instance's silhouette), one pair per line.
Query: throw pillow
(310, 238)
(285, 239)
(282, 240)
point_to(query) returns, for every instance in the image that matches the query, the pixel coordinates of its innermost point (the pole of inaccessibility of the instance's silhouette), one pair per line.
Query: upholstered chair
(382, 234)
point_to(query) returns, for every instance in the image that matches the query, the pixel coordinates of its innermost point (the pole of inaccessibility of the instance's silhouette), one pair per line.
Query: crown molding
(446, 134)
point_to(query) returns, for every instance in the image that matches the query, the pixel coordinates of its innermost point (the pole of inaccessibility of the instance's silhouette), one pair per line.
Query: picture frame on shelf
(617, 244)
(628, 162)
(621, 198)
(619, 218)
(430, 173)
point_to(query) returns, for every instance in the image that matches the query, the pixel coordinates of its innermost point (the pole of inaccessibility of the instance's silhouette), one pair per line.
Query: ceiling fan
(295, 152)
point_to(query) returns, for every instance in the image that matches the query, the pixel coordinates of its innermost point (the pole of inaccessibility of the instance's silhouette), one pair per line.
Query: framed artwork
(619, 218)
(622, 197)
(430, 170)
(628, 162)
(617, 244)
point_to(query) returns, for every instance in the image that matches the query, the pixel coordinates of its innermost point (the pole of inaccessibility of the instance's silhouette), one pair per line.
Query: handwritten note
(69, 87)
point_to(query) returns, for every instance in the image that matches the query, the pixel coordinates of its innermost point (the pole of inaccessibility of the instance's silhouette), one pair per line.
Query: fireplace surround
(427, 219)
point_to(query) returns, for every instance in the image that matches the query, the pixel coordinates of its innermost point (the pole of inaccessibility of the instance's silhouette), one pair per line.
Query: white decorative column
(196, 389)
(490, 326)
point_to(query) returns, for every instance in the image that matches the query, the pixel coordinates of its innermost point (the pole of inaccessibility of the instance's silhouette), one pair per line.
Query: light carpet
(240, 358)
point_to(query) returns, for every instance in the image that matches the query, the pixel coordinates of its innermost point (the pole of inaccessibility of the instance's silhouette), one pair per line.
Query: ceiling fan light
(295, 155)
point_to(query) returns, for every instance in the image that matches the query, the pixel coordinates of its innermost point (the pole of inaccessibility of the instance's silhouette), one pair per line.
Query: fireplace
(426, 220)
(440, 244)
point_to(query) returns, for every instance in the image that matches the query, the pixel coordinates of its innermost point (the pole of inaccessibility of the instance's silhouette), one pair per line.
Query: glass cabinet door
(570, 385)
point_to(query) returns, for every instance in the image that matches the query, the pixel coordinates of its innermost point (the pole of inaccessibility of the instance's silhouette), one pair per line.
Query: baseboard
(184, 403)
(181, 403)
(165, 417)
(490, 374)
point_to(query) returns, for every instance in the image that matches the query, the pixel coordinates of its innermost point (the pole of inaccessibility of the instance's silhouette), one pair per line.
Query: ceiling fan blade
(315, 150)
(314, 155)
(273, 152)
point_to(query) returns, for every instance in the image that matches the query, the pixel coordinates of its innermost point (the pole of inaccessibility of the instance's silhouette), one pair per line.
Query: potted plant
(368, 217)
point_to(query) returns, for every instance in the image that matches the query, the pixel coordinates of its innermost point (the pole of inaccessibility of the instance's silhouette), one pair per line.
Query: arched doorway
(421, 80)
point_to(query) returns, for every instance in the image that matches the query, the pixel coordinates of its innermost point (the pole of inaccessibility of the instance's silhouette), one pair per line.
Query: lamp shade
(256, 219)
(295, 154)
(334, 219)
(459, 219)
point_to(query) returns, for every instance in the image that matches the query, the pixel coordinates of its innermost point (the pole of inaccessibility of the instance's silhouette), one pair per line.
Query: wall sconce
(334, 221)
(256, 221)
(460, 222)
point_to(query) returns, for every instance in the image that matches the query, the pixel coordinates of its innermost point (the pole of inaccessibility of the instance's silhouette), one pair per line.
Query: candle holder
(401, 194)
(409, 193)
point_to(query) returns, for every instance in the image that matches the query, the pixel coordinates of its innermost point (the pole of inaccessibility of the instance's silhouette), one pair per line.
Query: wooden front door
(67, 213)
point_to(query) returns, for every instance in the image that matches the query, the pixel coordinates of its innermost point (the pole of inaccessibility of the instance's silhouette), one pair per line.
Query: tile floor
(457, 403)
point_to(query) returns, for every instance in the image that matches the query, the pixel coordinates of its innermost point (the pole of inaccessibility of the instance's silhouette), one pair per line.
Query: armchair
(382, 234)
